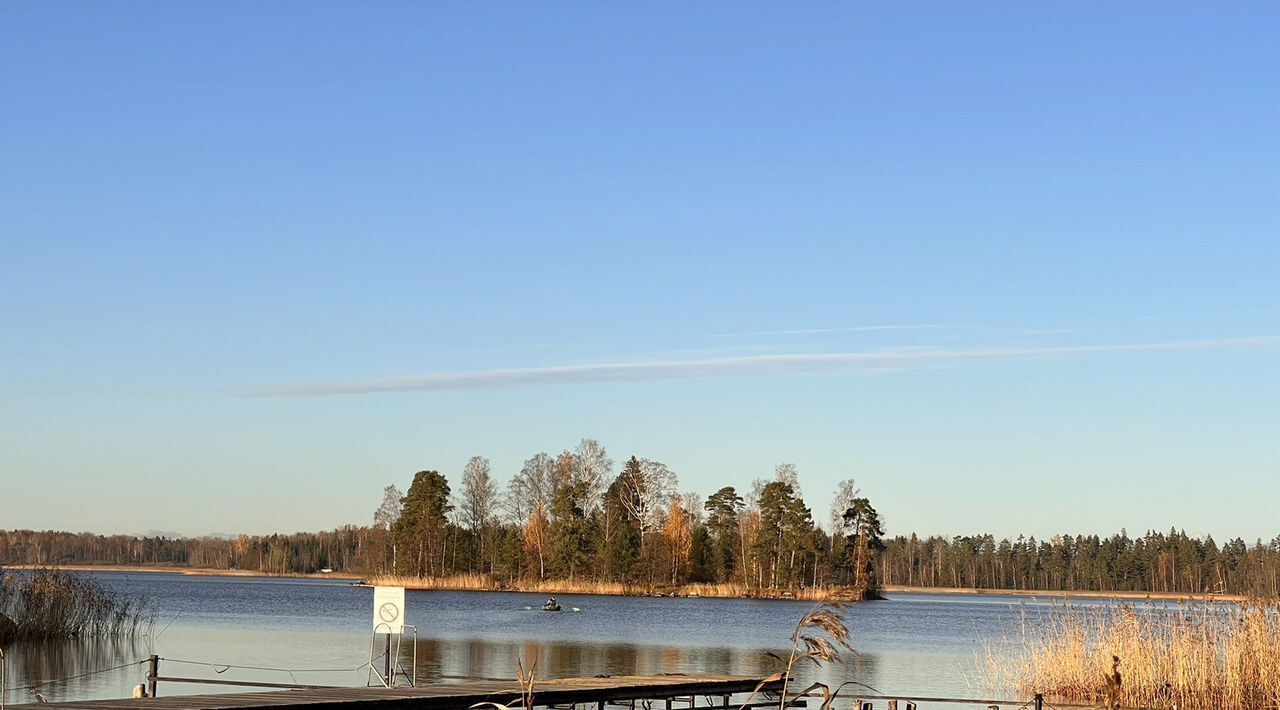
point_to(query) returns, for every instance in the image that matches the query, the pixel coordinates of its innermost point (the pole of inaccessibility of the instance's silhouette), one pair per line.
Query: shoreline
(695, 591)
(472, 583)
(1060, 593)
(186, 571)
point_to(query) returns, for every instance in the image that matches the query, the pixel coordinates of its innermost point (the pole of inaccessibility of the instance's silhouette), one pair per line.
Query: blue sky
(1011, 266)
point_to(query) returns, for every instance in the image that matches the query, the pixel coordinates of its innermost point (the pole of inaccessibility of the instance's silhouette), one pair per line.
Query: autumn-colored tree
(679, 538)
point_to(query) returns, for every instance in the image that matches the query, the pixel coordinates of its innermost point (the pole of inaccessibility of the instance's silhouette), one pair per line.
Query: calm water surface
(909, 644)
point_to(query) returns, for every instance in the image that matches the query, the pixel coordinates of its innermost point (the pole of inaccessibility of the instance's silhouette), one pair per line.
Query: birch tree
(645, 486)
(533, 486)
(593, 469)
(479, 495)
(385, 517)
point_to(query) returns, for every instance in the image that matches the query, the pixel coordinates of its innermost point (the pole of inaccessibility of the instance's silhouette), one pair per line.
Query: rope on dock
(220, 668)
(57, 681)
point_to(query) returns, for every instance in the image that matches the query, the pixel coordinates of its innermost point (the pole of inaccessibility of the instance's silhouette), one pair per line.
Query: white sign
(388, 610)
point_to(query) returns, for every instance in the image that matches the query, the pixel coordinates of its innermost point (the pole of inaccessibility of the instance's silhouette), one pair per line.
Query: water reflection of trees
(45, 663)
(448, 660)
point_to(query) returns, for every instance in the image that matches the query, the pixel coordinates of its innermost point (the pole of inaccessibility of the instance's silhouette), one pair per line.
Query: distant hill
(166, 534)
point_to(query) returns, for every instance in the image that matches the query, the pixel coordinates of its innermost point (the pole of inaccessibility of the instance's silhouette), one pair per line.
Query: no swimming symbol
(388, 610)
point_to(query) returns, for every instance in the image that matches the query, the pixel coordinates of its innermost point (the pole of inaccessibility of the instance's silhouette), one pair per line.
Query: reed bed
(482, 582)
(742, 591)
(1220, 655)
(52, 604)
(457, 582)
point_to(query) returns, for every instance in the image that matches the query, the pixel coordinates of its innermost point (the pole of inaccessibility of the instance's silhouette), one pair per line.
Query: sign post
(388, 618)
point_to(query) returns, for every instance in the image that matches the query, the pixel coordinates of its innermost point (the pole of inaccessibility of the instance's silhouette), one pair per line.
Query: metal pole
(387, 665)
(153, 672)
(1039, 702)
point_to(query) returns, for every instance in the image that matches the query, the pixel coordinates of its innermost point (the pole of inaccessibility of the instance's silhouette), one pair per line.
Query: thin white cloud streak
(1046, 331)
(820, 331)
(751, 365)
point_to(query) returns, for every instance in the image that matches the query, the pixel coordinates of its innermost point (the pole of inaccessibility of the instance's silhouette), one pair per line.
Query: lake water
(908, 644)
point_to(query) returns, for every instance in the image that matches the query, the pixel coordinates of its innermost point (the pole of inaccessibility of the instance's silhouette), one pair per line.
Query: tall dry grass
(742, 591)
(458, 582)
(482, 582)
(1184, 656)
(52, 604)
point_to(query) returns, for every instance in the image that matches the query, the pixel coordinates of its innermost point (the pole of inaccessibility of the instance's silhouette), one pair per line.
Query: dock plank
(444, 696)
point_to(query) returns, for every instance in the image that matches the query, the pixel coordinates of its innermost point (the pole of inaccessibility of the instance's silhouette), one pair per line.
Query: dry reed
(1184, 656)
(819, 637)
(52, 604)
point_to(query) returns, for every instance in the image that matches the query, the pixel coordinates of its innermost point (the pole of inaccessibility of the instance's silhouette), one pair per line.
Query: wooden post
(153, 672)
(1039, 702)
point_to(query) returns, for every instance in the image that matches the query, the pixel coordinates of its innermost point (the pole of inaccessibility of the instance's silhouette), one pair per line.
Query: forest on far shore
(569, 517)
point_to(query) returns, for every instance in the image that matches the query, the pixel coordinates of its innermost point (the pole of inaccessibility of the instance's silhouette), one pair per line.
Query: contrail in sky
(749, 365)
(818, 331)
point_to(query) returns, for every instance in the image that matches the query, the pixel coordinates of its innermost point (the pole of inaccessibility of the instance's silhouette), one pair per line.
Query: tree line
(576, 516)
(1162, 562)
(571, 517)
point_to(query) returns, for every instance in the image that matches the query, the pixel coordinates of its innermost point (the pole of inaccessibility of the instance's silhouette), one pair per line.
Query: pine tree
(421, 526)
(722, 509)
(865, 540)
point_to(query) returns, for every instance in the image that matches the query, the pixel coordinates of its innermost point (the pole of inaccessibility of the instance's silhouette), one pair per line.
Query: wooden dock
(598, 692)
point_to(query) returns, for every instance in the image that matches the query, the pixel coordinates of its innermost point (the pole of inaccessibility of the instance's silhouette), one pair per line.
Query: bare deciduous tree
(646, 487)
(479, 495)
(389, 512)
(787, 473)
(385, 517)
(533, 486)
(846, 492)
(692, 503)
(593, 468)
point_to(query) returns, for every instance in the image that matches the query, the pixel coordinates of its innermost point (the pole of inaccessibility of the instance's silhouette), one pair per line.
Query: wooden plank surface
(450, 696)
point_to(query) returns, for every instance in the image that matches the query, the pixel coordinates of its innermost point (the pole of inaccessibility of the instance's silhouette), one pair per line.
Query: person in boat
(551, 603)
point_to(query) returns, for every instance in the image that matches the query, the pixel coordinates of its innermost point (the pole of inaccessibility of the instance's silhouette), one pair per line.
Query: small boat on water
(551, 605)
